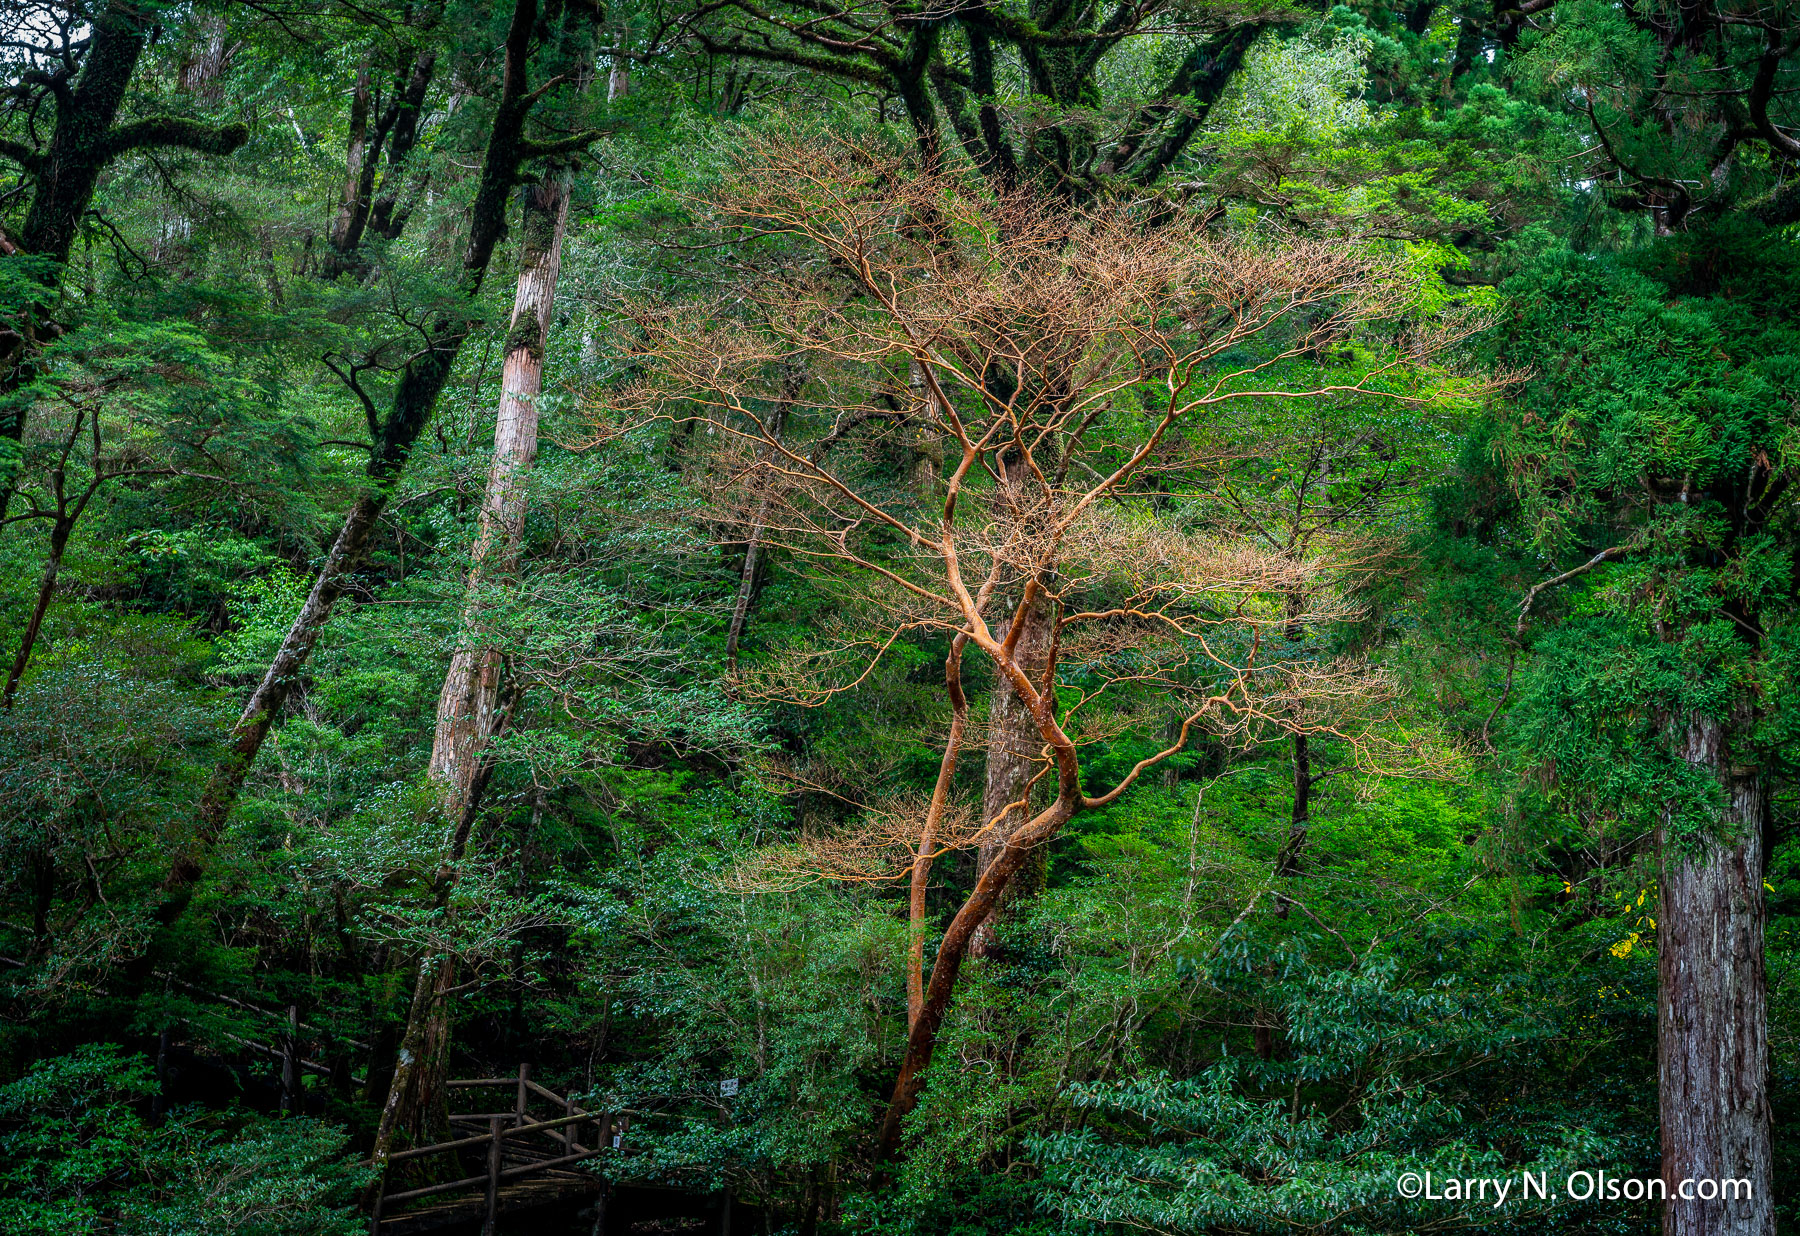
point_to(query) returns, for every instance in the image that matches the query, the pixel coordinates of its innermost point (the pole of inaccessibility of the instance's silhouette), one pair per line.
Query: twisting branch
(1605, 555)
(1513, 645)
(1021, 337)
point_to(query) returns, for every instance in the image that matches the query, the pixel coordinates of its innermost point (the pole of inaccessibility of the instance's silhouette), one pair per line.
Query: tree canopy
(1009, 617)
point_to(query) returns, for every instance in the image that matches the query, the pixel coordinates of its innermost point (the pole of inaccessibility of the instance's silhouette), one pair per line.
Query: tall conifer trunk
(618, 73)
(1712, 1021)
(415, 398)
(469, 706)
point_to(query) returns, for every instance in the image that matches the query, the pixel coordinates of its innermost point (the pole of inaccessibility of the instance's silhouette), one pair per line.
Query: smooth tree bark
(1712, 1017)
(469, 706)
(415, 398)
(85, 139)
(1014, 748)
(1021, 847)
(920, 880)
(792, 382)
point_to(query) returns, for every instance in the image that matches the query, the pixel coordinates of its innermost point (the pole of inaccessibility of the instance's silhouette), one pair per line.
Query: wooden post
(600, 1210)
(725, 1211)
(375, 1212)
(160, 1100)
(568, 1130)
(519, 1104)
(290, 1063)
(496, 1131)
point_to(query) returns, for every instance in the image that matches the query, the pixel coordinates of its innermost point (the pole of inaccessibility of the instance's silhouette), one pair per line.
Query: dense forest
(988, 616)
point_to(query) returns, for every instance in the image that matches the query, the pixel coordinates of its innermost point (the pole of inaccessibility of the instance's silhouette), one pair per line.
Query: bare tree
(1060, 357)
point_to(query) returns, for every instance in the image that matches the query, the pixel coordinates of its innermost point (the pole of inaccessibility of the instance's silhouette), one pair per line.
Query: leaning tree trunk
(415, 398)
(921, 1039)
(920, 881)
(277, 681)
(1712, 1017)
(1014, 746)
(469, 707)
(59, 541)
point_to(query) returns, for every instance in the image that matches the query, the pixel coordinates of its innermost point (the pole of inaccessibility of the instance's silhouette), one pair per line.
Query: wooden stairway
(525, 1159)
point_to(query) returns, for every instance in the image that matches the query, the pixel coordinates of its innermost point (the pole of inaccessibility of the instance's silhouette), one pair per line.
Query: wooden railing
(507, 1133)
(288, 1052)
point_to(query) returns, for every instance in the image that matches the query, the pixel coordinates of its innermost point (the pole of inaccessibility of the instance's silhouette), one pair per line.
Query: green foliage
(1462, 976)
(1656, 424)
(81, 1158)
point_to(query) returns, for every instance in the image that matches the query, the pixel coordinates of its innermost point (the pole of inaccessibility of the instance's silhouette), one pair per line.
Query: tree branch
(1605, 555)
(175, 131)
(574, 144)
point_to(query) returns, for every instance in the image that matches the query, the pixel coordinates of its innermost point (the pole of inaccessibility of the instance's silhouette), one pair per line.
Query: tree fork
(1014, 742)
(922, 1038)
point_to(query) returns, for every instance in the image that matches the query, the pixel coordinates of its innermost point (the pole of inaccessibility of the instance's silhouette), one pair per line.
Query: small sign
(616, 1140)
(728, 1088)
